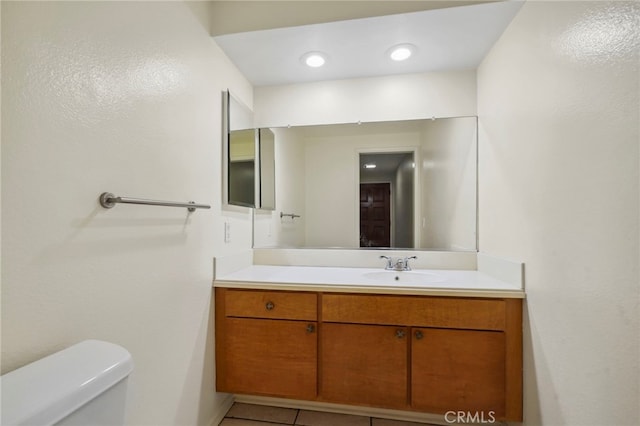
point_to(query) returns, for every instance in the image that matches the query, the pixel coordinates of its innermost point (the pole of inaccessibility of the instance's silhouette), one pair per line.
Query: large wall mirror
(399, 184)
(249, 166)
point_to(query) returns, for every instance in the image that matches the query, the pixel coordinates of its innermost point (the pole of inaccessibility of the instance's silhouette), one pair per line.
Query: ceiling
(386, 163)
(454, 38)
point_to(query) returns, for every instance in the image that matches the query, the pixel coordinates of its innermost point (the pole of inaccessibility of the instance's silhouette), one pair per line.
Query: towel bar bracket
(106, 200)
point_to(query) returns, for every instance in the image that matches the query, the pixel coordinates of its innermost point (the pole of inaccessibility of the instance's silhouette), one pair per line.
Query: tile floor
(242, 414)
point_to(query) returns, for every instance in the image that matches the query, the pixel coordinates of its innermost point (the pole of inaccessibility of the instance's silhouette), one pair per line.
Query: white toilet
(85, 384)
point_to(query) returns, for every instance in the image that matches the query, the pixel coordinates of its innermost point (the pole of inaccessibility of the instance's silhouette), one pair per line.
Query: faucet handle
(406, 262)
(389, 262)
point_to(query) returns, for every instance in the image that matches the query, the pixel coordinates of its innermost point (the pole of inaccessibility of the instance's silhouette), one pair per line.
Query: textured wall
(121, 97)
(558, 103)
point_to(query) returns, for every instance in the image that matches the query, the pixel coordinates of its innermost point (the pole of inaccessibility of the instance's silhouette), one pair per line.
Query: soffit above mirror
(455, 38)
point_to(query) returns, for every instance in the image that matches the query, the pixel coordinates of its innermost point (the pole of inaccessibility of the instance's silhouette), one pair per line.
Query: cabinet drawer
(443, 312)
(271, 304)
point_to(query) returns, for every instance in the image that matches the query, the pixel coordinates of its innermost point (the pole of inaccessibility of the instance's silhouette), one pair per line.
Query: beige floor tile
(319, 418)
(388, 422)
(244, 422)
(262, 413)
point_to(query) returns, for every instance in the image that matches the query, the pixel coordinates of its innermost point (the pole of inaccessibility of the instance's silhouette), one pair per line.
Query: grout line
(266, 422)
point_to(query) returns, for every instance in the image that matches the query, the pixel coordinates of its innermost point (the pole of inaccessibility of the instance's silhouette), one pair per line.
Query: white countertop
(369, 280)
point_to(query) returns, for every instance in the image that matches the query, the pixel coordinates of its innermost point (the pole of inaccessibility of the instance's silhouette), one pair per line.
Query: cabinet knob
(311, 328)
(400, 333)
(269, 306)
(419, 334)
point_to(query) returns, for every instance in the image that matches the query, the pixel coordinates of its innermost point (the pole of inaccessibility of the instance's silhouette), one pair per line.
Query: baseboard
(407, 416)
(223, 406)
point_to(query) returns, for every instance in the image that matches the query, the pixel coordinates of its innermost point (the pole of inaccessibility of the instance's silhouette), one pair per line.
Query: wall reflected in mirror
(249, 167)
(267, 187)
(428, 169)
(242, 167)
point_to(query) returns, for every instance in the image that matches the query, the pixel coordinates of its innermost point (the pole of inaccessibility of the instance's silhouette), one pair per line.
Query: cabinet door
(269, 357)
(458, 370)
(364, 364)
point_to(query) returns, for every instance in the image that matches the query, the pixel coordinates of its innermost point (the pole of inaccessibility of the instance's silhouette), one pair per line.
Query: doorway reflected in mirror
(386, 199)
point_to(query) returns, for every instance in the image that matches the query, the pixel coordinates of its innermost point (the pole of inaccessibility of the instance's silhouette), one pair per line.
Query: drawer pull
(269, 306)
(419, 334)
(400, 334)
(311, 328)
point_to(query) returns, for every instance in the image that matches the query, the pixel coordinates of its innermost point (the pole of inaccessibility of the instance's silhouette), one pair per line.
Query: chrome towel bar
(108, 200)
(291, 215)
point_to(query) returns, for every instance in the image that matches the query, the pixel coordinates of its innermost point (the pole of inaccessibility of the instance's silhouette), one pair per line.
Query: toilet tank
(85, 384)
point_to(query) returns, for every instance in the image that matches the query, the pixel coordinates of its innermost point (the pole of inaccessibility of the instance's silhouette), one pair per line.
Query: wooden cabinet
(460, 370)
(423, 353)
(266, 343)
(364, 364)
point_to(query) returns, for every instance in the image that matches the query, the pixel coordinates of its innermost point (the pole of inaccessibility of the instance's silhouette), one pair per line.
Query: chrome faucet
(399, 264)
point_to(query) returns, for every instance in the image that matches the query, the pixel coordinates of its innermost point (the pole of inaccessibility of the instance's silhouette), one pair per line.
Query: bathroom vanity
(372, 338)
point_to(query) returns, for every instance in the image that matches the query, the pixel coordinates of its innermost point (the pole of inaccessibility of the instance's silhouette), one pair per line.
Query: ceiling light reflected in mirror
(314, 59)
(401, 52)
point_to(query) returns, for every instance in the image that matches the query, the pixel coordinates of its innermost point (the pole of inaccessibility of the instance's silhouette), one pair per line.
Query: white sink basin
(399, 277)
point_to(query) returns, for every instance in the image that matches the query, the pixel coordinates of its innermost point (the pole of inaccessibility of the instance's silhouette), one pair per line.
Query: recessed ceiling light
(314, 59)
(401, 52)
(369, 166)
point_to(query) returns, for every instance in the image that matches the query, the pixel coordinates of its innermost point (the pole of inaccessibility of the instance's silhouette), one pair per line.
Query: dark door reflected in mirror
(386, 199)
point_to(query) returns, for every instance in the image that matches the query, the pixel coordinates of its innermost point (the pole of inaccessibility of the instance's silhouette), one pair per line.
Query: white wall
(558, 101)
(448, 184)
(122, 97)
(397, 97)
